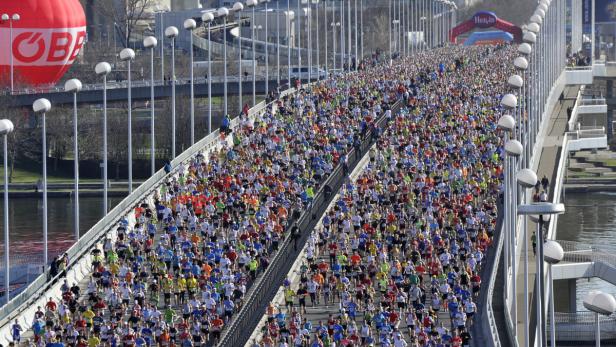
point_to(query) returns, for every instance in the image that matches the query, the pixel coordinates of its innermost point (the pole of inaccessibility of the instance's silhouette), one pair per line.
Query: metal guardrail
(266, 285)
(592, 102)
(86, 242)
(580, 327)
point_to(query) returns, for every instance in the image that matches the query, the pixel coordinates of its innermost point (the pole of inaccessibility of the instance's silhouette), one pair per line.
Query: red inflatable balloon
(46, 38)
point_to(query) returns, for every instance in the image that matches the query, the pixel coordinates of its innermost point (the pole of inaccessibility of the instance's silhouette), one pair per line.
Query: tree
(125, 14)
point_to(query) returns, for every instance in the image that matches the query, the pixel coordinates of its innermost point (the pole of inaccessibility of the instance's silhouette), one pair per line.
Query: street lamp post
(151, 42)
(237, 8)
(171, 33)
(334, 26)
(74, 86)
(103, 69)
(601, 304)
(278, 44)
(266, 51)
(552, 254)
(224, 12)
(507, 124)
(255, 28)
(13, 18)
(317, 40)
(6, 127)
(307, 11)
(128, 55)
(526, 179)
(289, 15)
(252, 4)
(190, 25)
(540, 209)
(42, 106)
(326, 43)
(208, 17)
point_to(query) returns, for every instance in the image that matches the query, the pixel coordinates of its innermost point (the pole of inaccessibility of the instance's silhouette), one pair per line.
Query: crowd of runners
(396, 261)
(404, 243)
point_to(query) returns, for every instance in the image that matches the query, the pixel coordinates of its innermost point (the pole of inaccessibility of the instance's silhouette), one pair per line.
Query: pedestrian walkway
(548, 167)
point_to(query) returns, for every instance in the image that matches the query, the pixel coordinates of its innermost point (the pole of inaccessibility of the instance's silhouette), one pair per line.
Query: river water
(590, 218)
(26, 225)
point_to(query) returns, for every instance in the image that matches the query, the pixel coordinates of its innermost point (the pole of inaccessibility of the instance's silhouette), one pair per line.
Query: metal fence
(80, 249)
(265, 287)
(576, 327)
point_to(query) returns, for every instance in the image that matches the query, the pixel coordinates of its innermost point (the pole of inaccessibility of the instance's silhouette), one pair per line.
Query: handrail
(237, 334)
(40, 287)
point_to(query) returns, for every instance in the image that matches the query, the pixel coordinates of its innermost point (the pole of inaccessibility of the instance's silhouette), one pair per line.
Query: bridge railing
(580, 326)
(24, 304)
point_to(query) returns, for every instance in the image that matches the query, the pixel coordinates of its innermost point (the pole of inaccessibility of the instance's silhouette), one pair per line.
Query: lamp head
(102, 68)
(171, 32)
(73, 85)
(127, 54)
(41, 105)
(6, 127)
(190, 24)
(150, 42)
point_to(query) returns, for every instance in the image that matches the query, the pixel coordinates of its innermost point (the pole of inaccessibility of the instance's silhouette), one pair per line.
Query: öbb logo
(484, 19)
(47, 46)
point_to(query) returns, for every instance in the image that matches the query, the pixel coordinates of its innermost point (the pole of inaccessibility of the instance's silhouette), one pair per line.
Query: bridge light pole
(151, 42)
(14, 18)
(191, 25)
(42, 106)
(74, 86)
(526, 179)
(224, 12)
(207, 18)
(171, 33)
(237, 8)
(541, 209)
(552, 254)
(103, 69)
(601, 304)
(128, 55)
(6, 127)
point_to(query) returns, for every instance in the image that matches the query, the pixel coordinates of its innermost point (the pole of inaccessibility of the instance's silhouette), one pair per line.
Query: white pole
(389, 24)
(192, 90)
(239, 60)
(209, 77)
(592, 34)
(288, 25)
(278, 43)
(254, 59)
(11, 55)
(309, 27)
(162, 48)
(298, 30)
(130, 133)
(224, 53)
(105, 186)
(552, 322)
(152, 138)
(318, 49)
(356, 32)
(7, 291)
(349, 36)
(266, 52)
(361, 25)
(76, 170)
(326, 43)
(334, 36)
(173, 97)
(44, 134)
(539, 331)
(597, 325)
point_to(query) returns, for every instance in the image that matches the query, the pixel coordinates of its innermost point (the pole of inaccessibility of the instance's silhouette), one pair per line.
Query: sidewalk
(550, 155)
